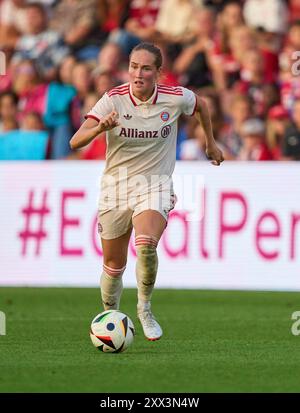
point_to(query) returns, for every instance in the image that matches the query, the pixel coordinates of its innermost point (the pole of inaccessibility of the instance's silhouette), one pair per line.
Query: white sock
(111, 290)
(146, 271)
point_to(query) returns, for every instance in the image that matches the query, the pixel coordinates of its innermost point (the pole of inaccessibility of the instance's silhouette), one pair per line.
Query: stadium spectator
(97, 148)
(254, 147)
(176, 20)
(32, 121)
(277, 123)
(235, 48)
(253, 79)
(103, 81)
(216, 5)
(294, 10)
(271, 15)
(8, 111)
(111, 59)
(193, 148)
(12, 22)
(43, 46)
(291, 142)
(240, 110)
(65, 69)
(30, 88)
(78, 23)
(193, 63)
(57, 117)
(139, 25)
(226, 61)
(112, 14)
(81, 79)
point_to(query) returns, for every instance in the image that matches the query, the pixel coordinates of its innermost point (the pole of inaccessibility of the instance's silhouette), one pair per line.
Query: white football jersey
(141, 151)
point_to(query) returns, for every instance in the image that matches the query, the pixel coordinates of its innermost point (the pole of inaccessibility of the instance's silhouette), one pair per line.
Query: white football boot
(151, 328)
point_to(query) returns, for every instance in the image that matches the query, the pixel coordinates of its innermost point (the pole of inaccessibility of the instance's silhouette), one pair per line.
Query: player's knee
(114, 269)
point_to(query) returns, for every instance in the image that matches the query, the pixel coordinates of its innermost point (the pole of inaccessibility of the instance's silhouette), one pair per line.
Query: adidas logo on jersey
(127, 117)
(135, 133)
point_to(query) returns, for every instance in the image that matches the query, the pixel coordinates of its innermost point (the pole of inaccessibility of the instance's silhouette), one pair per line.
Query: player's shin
(146, 269)
(111, 287)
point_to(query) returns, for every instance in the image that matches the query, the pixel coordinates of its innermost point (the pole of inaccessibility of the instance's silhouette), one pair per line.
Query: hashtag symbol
(28, 233)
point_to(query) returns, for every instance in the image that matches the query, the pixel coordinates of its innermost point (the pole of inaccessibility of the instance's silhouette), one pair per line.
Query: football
(112, 331)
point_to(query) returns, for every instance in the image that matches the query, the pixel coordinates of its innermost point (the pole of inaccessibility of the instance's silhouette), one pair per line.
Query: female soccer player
(140, 120)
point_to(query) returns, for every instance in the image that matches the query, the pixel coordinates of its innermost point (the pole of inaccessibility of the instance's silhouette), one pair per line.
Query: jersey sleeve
(189, 102)
(102, 108)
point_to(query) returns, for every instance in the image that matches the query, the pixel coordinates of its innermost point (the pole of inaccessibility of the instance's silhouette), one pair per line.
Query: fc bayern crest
(165, 116)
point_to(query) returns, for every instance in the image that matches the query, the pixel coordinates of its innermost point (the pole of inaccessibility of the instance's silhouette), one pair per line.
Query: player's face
(143, 73)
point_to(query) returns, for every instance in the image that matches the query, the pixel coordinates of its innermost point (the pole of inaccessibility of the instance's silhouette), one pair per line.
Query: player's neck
(143, 96)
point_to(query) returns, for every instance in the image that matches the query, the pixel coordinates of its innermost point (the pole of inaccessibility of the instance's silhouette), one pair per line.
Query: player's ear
(159, 72)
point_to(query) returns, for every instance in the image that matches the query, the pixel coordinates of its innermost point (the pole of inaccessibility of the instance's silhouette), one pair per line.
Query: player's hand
(109, 122)
(214, 154)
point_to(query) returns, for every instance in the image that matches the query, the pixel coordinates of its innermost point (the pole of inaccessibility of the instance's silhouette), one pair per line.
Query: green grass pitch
(214, 341)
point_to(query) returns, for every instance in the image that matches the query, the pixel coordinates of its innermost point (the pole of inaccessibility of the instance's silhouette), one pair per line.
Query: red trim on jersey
(172, 88)
(119, 93)
(132, 100)
(92, 117)
(155, 98)
(194, 107)
(170, 93)
(117, 88)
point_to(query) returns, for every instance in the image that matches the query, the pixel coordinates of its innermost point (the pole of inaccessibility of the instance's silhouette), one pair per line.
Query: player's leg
(149, 226)
(114, 264)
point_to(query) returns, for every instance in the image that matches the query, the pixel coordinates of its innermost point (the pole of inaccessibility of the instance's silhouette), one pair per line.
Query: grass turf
(214, 341)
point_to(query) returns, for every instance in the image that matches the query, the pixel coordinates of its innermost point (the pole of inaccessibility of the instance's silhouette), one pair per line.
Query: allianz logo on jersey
(136, 133)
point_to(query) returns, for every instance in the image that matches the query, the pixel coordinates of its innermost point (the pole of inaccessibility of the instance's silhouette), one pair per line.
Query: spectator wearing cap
(254, 147)
(291, 141)
(277, 122)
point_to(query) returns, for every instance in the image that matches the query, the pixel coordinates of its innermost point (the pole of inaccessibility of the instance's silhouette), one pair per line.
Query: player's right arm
(92, 128)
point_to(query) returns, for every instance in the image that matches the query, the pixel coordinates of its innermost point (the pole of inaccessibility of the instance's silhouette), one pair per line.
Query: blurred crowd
(243, 57)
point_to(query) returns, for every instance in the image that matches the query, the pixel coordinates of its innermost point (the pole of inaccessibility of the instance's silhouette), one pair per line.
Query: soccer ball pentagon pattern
(112, 331)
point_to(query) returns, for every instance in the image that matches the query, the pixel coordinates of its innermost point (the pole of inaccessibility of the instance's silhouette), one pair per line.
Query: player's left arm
(202, 115)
